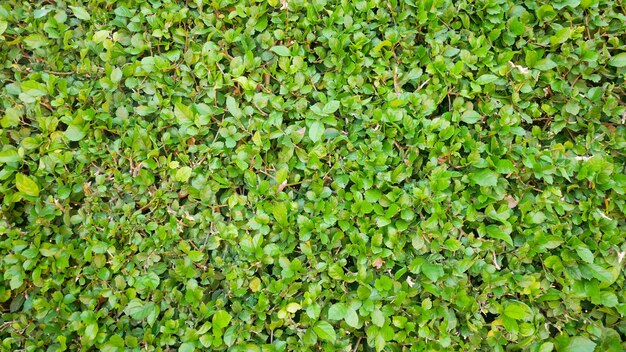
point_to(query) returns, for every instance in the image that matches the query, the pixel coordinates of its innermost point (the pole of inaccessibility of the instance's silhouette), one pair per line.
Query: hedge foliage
(313, 175)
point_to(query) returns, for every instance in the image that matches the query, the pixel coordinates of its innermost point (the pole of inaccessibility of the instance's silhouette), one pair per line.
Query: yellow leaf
(255, 284)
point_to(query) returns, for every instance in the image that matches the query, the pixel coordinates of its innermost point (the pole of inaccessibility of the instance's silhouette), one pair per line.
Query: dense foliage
(313, 175)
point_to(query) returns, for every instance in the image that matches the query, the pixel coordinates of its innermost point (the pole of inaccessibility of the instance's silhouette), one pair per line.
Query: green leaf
(144, 110)
(470, 117)
(496, 232)
(337, 311)
(585, 254)
(186, 347)
(233, 107)
(546, 347)
(183, 113)
(545, 64)
(17, 279)
(100, 36)
(618, 60)
(486, 79)
(139, 310)
(147, 282)
(602, 274)
(80, 13)
(316, 131)
(26, 185)
(505, 167)
(384, 283)
(91, 331)
(561, 36)
(34, 88)
(195, 256)
(516, 311)
(293, 307)
(433, 271)
(183, 174)
(336, 272)
(35, 41)
(9, 156)
(325, 331)
(281, 50)
(114, 344)
(282, 175)
(74, 133)
(352, 318)
(116, 75)
(221, 319)
(330, 107)
(485, 178)
(605, 298)
(206, 340)
(563, 3)
(280, 213)
(580, 344)
(230, 336)
(11, 118)
(378, 318)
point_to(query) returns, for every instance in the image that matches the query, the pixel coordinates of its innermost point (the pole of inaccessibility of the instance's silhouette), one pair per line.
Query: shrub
(312, 175)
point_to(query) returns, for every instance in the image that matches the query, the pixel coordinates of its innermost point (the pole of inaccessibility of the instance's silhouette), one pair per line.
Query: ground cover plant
(290, 175)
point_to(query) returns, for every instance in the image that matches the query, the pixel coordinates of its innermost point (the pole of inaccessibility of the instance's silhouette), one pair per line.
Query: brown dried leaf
(512, 202)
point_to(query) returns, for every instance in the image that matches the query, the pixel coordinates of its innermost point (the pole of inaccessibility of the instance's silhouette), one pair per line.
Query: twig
(46, 105)
(495, 262)
(60, 73)
(267, 174)
(423, 84)
(396, 86)
(258, 108)
(148, 204)
(358, 342)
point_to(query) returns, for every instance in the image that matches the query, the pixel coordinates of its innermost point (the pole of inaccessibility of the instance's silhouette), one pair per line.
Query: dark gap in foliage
(475, 280)
(489, 317)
